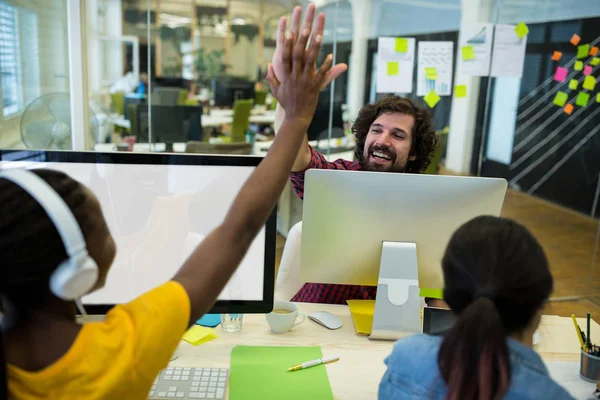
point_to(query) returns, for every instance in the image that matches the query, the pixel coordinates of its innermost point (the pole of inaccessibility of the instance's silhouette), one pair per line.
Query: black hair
(496, 279)
(30, 246)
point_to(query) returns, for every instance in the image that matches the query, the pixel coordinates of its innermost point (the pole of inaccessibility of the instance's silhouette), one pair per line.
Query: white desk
(360, 369)
(213, 119)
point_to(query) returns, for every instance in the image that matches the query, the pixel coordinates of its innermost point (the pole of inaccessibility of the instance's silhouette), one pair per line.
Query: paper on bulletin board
(436, 55)
(392, 77)
(478, 36)
(508, 54)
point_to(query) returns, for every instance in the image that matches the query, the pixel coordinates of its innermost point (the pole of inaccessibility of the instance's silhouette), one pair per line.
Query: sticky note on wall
(561, 99)
(431, 99)
(401, 45)
(593, 50)
(575, 39)
(556, 55)
(393, 68)
(587, 70)
(583, 50)
(589, 83)
(595, 61)
(582, 99)
(468, 53)
(573, 83)
(521, 30)
(561, 74)
(460, 91)
(568, 109)
(431, 73)
(578, 66)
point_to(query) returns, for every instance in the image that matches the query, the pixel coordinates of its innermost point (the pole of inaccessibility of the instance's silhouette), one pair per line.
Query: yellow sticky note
(401, 45)
(578, 66)
(595, 61)
(468, 53)
(589, 83)
(460, 91)
(393, 68)
(198, 334)
(521, 30)
(362, 314)
(573, 83)
(598, 98)
(432, 99)
(431, 73)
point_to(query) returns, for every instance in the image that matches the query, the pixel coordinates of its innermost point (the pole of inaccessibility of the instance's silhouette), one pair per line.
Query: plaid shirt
(318, 292)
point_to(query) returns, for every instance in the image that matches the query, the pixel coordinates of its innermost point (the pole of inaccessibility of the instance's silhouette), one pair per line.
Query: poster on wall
(509, 52)
(434, 68)
(395, 64)
(475, 49)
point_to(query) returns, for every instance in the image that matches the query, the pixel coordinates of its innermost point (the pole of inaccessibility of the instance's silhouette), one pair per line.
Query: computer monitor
(347, 215)
(132, 98)
(170, 124)
(319, 126)
(226, 90)
(159, 207)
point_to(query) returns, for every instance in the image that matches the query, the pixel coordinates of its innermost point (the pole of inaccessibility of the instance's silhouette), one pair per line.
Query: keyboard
(190, 383)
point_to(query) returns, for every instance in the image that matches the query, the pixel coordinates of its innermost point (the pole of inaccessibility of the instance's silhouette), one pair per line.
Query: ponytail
(474, 358)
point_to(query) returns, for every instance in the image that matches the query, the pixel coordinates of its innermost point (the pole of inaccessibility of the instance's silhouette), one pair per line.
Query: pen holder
(589, 367)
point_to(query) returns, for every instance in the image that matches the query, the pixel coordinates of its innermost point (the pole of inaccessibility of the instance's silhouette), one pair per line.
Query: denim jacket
(413, 372)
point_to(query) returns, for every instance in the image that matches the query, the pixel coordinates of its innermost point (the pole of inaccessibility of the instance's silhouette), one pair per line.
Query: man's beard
(366, 165)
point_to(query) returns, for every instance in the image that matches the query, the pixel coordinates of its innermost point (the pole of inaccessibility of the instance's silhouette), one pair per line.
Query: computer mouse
(327, 319)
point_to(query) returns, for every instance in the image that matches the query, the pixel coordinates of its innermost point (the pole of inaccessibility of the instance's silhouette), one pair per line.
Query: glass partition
(35, 74)
(548, 152)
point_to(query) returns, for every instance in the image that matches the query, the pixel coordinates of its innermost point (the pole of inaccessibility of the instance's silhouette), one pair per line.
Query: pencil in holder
(589, 367)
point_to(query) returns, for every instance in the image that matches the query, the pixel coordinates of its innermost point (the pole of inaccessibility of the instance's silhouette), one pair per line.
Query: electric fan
(46, 123)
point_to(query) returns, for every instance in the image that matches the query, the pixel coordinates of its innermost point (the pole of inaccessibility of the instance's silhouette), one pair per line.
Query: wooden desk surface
(360, 369)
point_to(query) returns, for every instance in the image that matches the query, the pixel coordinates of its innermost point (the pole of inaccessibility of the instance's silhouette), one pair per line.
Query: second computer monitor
(226, 90)
(347, 215)
(170, 124)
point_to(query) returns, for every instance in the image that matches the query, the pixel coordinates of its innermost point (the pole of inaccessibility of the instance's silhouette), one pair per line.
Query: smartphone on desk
(437, 320)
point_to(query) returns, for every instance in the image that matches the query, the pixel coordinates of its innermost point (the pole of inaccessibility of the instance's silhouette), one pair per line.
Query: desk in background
(361, 367)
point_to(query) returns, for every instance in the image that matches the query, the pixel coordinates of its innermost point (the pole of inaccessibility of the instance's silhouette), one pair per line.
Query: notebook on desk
(261, 373)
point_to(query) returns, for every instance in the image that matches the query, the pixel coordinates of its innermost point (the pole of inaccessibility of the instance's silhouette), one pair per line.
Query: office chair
(288, 281)
(437, 154)
(240, 148)
(241, 119)
(260, 97)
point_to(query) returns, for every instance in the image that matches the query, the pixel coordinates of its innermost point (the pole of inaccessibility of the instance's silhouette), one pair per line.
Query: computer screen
(347, 215)
(170, 124)
(226, 90)
(159, 208)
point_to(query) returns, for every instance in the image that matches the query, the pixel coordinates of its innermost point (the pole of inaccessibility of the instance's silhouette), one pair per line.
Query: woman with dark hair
(496, 280)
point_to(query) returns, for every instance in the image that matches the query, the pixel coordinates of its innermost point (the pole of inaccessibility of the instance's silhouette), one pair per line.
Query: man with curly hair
(393, 135)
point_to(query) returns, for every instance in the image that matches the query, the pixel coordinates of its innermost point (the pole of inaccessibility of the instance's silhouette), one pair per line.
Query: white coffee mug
(284, 317)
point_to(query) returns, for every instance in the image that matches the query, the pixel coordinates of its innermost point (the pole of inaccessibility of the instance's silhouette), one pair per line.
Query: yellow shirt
(118, 358)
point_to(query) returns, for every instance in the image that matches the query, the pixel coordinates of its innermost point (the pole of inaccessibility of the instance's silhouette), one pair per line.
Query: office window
(9, 60)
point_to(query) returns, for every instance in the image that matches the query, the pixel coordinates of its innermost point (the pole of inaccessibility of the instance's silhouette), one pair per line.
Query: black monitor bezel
(221, 306)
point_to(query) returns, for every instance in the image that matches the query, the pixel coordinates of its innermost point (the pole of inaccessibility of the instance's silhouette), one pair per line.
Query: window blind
(10, 60)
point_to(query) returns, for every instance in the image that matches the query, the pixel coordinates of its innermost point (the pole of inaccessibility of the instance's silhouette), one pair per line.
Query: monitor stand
(397, 304)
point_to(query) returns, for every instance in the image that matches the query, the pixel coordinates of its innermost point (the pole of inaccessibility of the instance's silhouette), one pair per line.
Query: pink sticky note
(561, 74)
(587, 70)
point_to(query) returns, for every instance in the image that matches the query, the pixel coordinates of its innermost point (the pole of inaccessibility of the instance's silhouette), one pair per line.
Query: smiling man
(392, 135)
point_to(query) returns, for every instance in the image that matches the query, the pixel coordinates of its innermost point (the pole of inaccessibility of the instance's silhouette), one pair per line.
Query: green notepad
(261, 373)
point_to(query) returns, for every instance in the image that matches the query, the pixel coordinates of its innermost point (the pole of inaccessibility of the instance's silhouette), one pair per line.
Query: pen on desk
(578, 331)
(588, 331)
(318, 361)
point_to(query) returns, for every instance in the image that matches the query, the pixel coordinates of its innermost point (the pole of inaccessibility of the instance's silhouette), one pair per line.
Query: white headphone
(76, 275)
